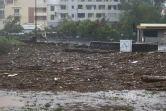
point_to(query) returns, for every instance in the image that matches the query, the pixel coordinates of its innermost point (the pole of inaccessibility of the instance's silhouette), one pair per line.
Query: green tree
(12, 24)
(101, 30)
(50, 29)
(139, 11)
(83, 28)
(67, 28)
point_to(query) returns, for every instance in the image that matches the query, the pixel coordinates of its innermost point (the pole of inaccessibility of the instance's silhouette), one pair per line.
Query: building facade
(82, 10)
(25, 9)
(2, 13)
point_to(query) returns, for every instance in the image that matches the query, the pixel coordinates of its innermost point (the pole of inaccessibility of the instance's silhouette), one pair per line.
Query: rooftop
(151, 26)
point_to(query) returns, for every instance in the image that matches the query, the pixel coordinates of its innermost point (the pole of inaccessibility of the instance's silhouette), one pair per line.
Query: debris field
(63, 67)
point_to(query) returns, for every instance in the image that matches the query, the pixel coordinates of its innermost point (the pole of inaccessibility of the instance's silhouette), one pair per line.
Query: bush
(3, 47)
(6, 42)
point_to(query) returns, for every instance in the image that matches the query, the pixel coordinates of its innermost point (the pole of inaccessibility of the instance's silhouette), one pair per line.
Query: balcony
(16, 14)
(40, 14)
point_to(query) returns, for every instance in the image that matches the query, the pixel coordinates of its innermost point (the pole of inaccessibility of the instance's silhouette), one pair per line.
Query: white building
(82, 10)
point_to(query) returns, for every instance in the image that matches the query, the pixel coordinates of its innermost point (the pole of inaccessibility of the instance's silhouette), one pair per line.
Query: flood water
(134, 100)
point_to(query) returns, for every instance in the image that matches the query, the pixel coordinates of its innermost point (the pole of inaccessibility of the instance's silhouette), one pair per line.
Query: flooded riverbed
(125, 100)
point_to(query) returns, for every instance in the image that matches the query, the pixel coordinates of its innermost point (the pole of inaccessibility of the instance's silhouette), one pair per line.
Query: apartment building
(25, 9)
(2, 13)
(82, 10)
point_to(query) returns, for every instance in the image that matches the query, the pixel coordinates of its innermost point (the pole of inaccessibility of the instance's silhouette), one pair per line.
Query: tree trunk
(148, 78)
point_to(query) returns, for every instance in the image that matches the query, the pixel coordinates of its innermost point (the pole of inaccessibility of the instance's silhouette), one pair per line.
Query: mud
(48, 67)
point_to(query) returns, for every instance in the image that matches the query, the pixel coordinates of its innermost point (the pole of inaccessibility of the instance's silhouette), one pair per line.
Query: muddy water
(139, 100)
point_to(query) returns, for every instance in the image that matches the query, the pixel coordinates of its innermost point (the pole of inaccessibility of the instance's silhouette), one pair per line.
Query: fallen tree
(149, 78)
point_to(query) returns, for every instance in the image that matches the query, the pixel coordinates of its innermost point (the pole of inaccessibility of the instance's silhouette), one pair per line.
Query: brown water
(138, 100)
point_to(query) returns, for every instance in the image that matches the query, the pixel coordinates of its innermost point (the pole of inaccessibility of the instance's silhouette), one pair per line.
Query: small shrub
(6, 42)
(3, 48)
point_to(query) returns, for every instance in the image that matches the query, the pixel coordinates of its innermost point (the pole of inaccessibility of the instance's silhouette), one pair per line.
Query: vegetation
(98, 30)
(9, 40)
(140, 11)
(12, 24)
(5, 43)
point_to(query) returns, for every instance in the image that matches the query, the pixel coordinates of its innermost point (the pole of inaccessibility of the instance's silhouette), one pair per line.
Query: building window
(52, 17)
(1, 1)
(101, 7)
(89, 7)
(100, 15)
(115, 15)
(9, 1)
(114, 7)
(80, 6)
(98, 0)
(63, 15)
(90, 15)
(115, 0)
(52, 8)
(72, 15)
(89, 0)
(82, 0)
(150, 33)
(111, 15)
(2, 16)
(109, 7)
(16, 11)
(63, 7)
(81, 15)
(72, 7)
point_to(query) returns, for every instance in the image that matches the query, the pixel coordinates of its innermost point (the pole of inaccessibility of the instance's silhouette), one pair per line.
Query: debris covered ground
(55, 67)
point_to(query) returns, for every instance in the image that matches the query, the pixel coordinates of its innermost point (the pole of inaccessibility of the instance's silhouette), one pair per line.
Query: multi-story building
(82, 10)
(25, 9)
(2, 14)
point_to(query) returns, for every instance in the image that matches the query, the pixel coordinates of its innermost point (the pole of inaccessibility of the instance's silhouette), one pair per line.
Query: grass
(6, 42)
(9, 40)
